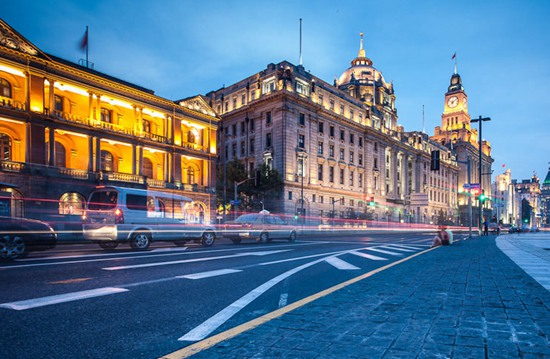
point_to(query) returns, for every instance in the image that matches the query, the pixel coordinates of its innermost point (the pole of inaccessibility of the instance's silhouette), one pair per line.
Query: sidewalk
(469, 300)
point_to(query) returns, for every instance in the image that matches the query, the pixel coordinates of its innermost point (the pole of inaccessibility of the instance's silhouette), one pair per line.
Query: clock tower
(455, 113)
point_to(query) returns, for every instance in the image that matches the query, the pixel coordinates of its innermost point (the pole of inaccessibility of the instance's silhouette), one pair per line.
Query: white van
(119, 214)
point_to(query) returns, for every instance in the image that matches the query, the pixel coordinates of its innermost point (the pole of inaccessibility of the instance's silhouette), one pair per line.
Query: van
(138, 216)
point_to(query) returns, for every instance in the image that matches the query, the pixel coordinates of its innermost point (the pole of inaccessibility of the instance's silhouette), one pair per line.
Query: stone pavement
(468, 300)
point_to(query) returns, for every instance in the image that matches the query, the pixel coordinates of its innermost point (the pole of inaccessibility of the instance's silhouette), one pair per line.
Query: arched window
(5, 147)
(146, 127)
(107, 161)
(5, 88)
(60, 155)
(190, 175)
(58, 103)
(147, 170)
(191, 138)
(106, 115)
(71, 203)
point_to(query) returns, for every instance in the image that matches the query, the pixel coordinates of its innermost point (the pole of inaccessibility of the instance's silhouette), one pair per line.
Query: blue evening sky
(185, 48)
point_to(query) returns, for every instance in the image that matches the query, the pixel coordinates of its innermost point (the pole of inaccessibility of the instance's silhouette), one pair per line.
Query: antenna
(423, 127)
(300, 41)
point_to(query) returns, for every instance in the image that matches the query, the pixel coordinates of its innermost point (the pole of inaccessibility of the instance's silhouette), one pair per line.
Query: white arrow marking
(61, 298)
(146, 265)
(209, 274)
(340, 264)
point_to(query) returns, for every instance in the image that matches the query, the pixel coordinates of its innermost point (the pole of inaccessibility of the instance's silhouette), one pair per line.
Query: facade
(337, 146)
(457, 134)
(545, 201)
(529, 201)
(65, 129)
(505, 199)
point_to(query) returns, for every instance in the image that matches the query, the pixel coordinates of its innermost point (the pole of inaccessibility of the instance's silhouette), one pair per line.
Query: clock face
(452, 101)
(465, 101)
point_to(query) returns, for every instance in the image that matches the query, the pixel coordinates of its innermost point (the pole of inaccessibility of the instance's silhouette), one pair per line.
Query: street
(80, 301)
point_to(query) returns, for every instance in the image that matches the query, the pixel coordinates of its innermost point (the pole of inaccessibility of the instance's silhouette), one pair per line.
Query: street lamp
(480, 120)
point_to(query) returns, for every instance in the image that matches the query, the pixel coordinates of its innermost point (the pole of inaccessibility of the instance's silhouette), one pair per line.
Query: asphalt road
(79, 301)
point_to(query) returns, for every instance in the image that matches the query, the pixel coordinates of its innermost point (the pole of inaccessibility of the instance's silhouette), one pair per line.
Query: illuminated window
(320, 147)
(302, 88)
(190, 175)
(71, 203)
(58, 103)
(5, 147)
(301, 141)
(268, 85)
(106, 115)
(331, 174)
(107, 161)
(331, 151)
(60, 155)
(146, 126)
(5, 88)
(320, 172)
(147, 168)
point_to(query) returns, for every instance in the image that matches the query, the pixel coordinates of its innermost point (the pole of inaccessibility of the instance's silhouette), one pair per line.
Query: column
(51, 160)
(90, 105)
(90, 154)
(97, 154)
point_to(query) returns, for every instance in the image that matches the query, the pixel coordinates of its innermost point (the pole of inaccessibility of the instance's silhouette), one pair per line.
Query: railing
(10, 166)
(122, 177)
(156, 183)
(11, 103)
(73, 173)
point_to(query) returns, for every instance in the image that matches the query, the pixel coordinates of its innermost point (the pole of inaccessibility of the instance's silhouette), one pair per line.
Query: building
(505, 203)
(66, 128)
(545, 201)
(457, 134)
(338, 147)
(529, 201)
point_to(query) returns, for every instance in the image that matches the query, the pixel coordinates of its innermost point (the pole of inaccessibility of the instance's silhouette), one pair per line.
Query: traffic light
(482, 197)
(434, 163)
(371, 201)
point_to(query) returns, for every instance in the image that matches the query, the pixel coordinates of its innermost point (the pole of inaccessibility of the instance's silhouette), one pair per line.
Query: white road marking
(157, 264)
(384, 252)
(340, 264)
(394, 248)
(209, 274)
(203, 330)
(61, 298)
(283, 299)
(368, 256)
(405, 246)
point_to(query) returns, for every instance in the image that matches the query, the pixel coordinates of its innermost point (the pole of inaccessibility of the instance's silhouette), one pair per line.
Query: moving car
(19, 236)
(262, 226)
(138, 216)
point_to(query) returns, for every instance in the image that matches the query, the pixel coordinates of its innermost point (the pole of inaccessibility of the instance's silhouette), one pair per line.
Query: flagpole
(87, 45)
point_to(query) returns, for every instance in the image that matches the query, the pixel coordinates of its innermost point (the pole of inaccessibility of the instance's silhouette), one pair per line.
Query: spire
(361, 50)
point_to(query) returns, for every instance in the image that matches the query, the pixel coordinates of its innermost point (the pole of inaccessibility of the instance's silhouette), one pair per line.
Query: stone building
(66, 128)
(456, 134)
(338, 147)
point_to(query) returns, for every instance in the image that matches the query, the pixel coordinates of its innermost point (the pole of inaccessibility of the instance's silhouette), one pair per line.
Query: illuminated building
(457, 134)
(545, 201)
(336, 146)
(505, 204)
(66, 128)
(529, 201)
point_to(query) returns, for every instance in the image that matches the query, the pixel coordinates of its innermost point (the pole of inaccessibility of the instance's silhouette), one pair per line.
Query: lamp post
(333, 211)
(480, 120)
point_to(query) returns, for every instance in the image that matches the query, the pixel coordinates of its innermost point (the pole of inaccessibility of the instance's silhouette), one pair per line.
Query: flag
(503, 165)
(84, 41)
(454, 56)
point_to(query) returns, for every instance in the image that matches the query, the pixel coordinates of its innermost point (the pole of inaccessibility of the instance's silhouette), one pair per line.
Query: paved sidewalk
(468, 300)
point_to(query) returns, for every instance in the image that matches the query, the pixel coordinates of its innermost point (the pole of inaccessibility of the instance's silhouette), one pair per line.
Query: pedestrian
(485, 228)
(442, 238)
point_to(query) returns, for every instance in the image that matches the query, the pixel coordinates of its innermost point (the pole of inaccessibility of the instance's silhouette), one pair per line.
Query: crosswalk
(383, 252)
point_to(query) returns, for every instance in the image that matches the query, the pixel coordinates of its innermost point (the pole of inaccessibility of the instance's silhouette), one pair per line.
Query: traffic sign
(235, 202)
(471, 186)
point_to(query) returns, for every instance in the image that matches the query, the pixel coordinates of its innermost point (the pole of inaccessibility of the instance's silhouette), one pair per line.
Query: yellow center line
(230, 333)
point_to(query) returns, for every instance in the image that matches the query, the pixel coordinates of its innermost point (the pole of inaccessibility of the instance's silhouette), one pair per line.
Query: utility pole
(480, 120)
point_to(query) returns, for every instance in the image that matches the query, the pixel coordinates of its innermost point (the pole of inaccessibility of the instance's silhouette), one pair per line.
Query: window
(243, 99)
(302, 120)
(342, 108)
(375, 163)
(351, 157)
(321, 127)
(320, 146)
(268, 139)
(360, 159)
(320, 100)
(234, 149)
(331, 131)
(376, 147)
(106, 115)
(313, 198)
(342, 135)
(243, 130)
(60, 155)
(253, 95)
(107, 161)
(146, 126)
(332, 105)
(72, 203)
(320, 172)
(242, 149)
(251, 125)
(136, 202)
(342, 154)
(252, 145)
(321, 199)
(268, 85)
(331, 151)
(58, 103)
(331, 174)
(302, 88)
(190, 175)
(301, 141)
(351, 114)
(147, 168)
(351, 178)
(360, 180)
(234, 103)
(268, 118)
(290, 195)
(226, 106)
(301, 167)
(341, 176)
(234, 129)
(5, 147)
(360, 141)
(351, 138)
(5, 88)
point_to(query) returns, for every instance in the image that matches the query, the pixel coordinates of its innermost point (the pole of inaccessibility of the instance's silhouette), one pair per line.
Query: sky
(181, 48)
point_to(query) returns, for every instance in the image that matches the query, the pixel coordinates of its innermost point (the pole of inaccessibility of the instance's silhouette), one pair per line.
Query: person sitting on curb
(442, 238)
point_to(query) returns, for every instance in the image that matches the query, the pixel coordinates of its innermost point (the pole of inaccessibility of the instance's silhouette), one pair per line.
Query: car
(494, 227)
(513, 229)
(262, 226)
(534, 229)
(19, 236)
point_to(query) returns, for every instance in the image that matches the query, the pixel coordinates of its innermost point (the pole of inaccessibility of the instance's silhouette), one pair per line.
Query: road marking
(340, 264)
(283, 299)
(405, 246)
(157, 264)
(61, 298)
(209, 274)
(233, 332)
(70, 281)
(384, 252)
(368, 256)
(203, 330)
(393, 247)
